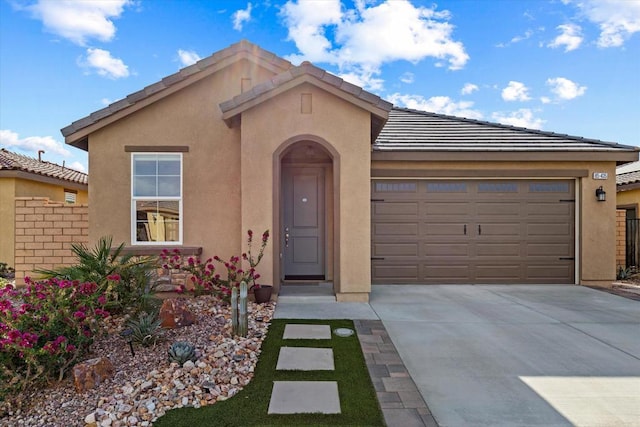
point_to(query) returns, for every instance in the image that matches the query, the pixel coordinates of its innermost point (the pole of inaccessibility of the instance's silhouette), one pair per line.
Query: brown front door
(303, 246)
(473, 231)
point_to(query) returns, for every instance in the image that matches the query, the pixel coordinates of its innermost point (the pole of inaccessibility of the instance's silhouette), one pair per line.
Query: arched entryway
(305, 207)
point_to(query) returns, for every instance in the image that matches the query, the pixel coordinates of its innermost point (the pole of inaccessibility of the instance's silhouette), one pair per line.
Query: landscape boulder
(175, 314)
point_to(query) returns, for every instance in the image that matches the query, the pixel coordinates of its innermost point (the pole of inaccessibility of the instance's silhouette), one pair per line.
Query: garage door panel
(446, 273)
(396, 273)
(498, 272)
(446, 249)
(500, 229)
(443, 229)
(498, 208)
(446, 208)
(505, 250)
(395, 249)
(550, 209)
(549, 229)
(546, 273)
(548, 250)
(473, 231)
(396, 229)
(396, 208)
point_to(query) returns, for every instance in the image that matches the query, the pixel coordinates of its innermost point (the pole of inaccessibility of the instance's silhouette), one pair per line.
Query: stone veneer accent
(44, 233)
(621, 238)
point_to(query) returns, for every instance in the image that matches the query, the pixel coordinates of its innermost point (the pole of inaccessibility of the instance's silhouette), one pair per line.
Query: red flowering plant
(46, 328)
(203, 276)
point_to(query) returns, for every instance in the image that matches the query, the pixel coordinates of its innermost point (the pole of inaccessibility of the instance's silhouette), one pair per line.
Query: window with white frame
(156, 198)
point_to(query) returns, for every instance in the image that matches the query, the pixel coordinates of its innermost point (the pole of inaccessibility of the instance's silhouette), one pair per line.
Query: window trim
(132, 213)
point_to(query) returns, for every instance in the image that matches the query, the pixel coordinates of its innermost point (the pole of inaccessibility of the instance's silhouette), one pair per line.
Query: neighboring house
(353, 190)
(627, 201)
(23, 176)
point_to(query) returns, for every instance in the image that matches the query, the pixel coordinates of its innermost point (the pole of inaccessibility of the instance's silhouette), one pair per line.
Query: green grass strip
(358, 401)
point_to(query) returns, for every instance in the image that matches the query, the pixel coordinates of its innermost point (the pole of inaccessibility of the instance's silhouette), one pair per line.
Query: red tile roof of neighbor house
(628, 174)
(10, 161)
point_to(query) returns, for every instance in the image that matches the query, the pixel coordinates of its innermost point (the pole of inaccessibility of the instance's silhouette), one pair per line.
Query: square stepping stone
(305, 359)
(307, 332)
(304, 397)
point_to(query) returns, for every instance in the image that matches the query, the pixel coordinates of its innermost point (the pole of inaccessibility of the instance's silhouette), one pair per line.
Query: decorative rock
(175, 314)
(146, 385)
(188, 366)
(88, 374)
(106, 422)
(90, 419)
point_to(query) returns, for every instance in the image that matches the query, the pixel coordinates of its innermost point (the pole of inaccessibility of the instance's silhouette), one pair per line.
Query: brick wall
(621, 229)
(44, 233)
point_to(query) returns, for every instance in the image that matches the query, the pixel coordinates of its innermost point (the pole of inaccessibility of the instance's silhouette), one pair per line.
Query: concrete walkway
(499, 355)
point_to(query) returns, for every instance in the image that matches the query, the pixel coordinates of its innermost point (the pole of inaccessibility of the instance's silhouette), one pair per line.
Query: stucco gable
(77, 133)
(302, 74)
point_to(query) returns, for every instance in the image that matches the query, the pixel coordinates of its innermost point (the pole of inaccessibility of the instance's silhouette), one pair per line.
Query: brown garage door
(473, 231)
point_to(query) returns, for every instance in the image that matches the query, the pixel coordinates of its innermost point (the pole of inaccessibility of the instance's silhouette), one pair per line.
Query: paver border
(401, 403)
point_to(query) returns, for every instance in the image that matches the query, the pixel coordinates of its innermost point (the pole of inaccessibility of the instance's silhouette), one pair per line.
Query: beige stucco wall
(596, 220)
(7, 224)
(211, 168)
(628, 198)
(346, 128)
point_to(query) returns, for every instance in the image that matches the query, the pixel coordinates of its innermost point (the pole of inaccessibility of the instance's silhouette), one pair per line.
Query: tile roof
(19, 162)
(306, 68)
(413, 130)
(628, 174)
(243, 46)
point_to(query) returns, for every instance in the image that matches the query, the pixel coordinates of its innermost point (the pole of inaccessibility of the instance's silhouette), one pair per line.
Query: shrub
(6, 272)
(97, 265)
(46, 328)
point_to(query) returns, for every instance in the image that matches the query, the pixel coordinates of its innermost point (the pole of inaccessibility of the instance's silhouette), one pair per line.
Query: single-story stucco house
(23, 176)
(353, 190)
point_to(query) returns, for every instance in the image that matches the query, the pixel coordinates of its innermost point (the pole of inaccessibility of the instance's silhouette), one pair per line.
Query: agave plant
(145, 330)
(182, 351)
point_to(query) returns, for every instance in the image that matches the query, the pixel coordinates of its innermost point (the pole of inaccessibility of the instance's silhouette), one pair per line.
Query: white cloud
(517, 39)
(521, 118)
(545, 99)
(565, 89)
(105, 64)
(241, 16)
(515, 91)
(32, 143)
(469, 88)
(188, 57)
(407, 78)
(618, 20)
(78, 166)
(363, 78)
(570, 37)
(437, 104)
(105, 101)
(369, 36)
(79, 21)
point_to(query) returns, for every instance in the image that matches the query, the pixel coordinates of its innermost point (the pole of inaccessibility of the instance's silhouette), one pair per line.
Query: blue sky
(566, 66)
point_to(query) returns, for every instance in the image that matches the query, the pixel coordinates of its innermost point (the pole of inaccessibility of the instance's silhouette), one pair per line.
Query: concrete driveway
(518, 355)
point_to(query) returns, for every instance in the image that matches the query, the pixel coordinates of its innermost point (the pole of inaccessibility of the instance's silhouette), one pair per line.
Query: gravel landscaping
(146, 385)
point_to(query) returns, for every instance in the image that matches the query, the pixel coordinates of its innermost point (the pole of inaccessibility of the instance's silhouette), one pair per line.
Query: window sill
(156, 250)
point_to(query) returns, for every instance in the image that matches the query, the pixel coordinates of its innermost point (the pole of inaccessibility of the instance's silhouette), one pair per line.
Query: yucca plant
(145, 330)
(182, 351)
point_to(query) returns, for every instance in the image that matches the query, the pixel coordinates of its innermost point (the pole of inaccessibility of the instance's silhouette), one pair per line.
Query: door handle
(479, 230)
(465, 229)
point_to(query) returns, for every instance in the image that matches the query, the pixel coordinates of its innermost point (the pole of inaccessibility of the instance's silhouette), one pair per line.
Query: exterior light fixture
(601, 195)
(126, 334)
